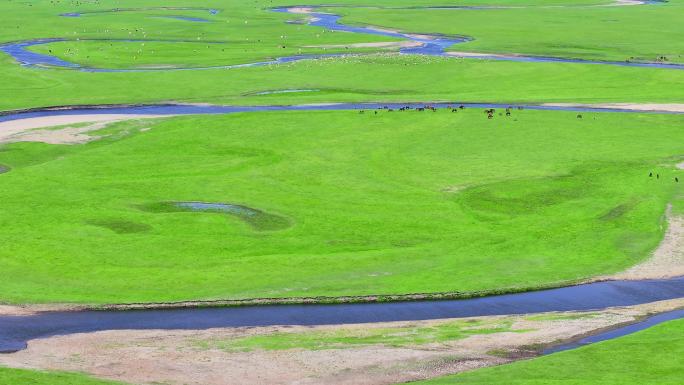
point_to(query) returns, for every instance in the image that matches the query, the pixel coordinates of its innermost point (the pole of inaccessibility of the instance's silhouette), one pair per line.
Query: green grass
(636, 33)
(165, 54)
(349, 338)
(32, 377)
(394, 203)
(652, 356)
(651, 28)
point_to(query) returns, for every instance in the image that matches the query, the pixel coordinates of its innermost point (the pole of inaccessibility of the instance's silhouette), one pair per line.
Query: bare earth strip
(646, 107)
(197, 357)
(16, 310)
(24, 130)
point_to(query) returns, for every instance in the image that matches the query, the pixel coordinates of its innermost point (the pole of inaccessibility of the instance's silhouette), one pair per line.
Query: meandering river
(425, 44)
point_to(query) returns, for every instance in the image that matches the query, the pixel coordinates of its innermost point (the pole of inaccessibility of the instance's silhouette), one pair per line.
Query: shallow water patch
(257, 219)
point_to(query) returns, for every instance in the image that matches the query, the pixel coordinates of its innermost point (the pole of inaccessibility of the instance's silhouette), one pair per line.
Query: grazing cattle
(657, 176)
(650, 175)
(461, 107)
(676, 179)
(362, 112)
(579, 116)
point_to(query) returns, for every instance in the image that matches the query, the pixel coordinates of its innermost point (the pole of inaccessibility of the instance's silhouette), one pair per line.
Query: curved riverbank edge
(30, 309)
(9, 309)
(209, 108)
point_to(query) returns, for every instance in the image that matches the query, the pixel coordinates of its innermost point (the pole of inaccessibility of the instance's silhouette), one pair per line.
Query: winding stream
(15, 331)
(428, 44)
(207, 109)
(619, 332)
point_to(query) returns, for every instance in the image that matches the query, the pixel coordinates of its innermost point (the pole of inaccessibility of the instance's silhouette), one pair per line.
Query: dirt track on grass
(646, 107)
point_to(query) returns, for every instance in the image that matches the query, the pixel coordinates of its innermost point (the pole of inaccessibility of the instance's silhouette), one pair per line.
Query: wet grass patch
(338, 339)
(561, 317)
(257, 219)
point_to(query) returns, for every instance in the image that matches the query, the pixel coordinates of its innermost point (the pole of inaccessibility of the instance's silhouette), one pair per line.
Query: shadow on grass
(121, 226)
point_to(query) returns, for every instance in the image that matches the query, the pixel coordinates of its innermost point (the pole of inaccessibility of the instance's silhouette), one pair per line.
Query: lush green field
(339, 203)
(399, 202)
(652, 356)
(636, 33)
(175, 54)
(30, 377)
(384, 77)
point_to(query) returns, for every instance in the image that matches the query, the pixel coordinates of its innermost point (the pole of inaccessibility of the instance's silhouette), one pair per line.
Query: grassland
(636, 33)
(652, 356)
(175, 54)
(349, 204)
(342, 79)
(390, 203)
